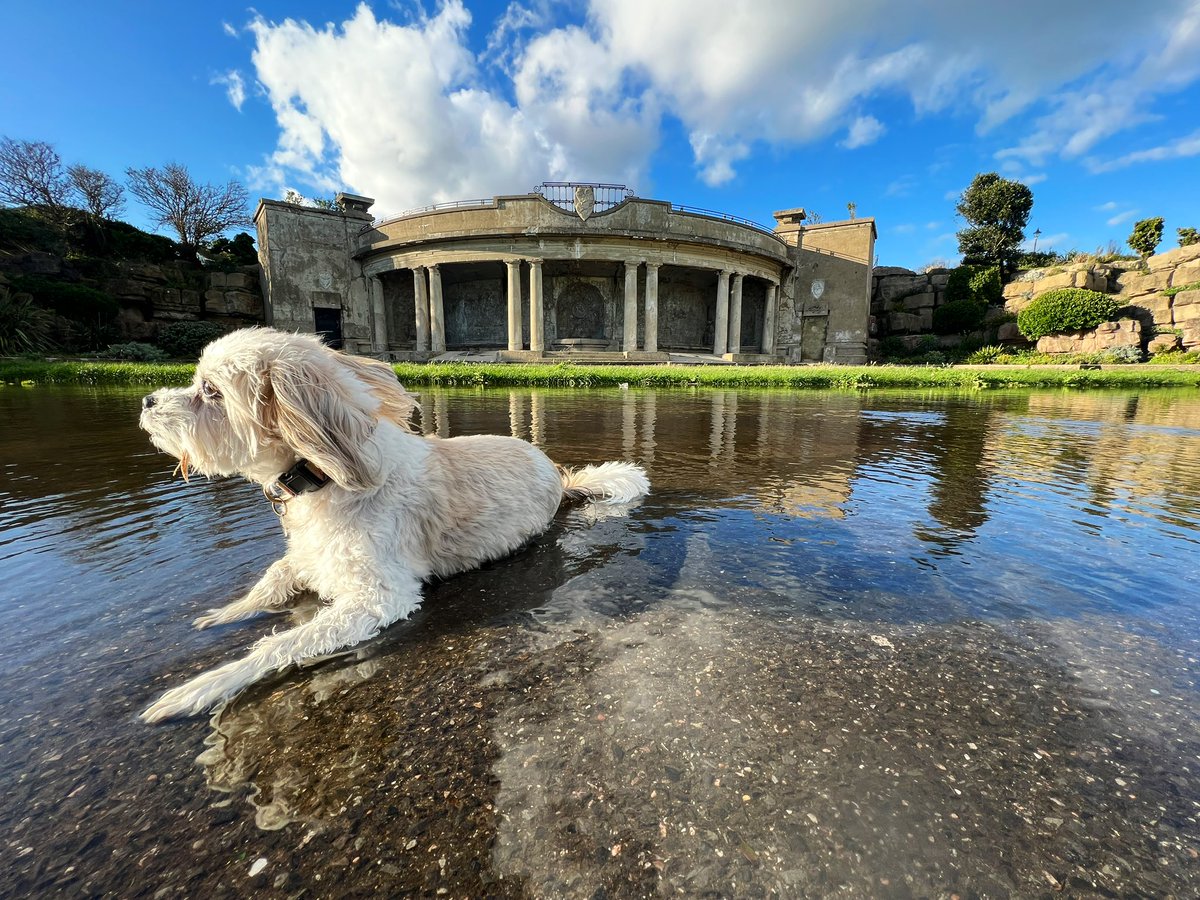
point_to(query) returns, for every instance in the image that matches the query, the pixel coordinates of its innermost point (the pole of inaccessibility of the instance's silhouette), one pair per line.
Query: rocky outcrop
(1124, 334)
(903, 301)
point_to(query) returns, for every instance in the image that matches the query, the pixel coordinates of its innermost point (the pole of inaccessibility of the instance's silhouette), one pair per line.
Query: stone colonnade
(431, 319)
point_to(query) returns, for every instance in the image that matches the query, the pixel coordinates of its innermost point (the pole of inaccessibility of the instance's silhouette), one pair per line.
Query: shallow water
(893, 644)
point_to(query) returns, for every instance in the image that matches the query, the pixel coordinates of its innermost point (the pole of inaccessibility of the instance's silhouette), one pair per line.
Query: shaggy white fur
(399, 508)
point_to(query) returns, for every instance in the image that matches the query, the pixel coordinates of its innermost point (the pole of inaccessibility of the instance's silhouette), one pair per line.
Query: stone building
(581, 270)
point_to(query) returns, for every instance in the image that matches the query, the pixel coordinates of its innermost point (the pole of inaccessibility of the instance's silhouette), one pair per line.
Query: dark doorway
(329, 326)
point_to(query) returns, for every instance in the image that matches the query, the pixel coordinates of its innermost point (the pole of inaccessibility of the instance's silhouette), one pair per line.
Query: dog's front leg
(278, 585)
(348, 620)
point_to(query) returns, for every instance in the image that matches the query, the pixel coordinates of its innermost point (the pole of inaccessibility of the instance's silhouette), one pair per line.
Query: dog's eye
(209, 391)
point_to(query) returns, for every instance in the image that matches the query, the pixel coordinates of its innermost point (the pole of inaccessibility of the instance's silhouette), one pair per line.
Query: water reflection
(852, 643)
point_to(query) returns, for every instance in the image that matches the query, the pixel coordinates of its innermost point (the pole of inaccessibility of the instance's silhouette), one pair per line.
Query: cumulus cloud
(1180, 148)
(412, 114)
(863, 131)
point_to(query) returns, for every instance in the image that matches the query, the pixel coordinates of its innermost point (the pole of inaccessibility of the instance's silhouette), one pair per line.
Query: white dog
(370, 508)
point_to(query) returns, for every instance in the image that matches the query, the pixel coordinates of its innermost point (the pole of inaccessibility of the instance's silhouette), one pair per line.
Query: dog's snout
(148, 401)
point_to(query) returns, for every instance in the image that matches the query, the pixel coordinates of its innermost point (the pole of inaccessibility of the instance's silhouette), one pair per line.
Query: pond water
(864, 645)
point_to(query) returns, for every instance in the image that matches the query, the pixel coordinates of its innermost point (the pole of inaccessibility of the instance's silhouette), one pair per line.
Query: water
(896, 644)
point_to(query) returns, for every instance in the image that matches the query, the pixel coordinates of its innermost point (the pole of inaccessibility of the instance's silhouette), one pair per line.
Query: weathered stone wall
(824, 307)
(1107, 336)
(307, 259)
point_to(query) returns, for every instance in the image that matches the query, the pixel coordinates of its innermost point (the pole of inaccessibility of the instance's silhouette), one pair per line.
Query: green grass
(563, 375)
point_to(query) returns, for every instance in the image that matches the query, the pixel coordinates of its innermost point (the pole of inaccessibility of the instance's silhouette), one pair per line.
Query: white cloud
(1178, 149)
(1031, 180)
(235, 87)
(411, 114)
(906, 228)
(863, 130)
(1105, 207)
(229, 30)
(1120, 217)
(901, 187)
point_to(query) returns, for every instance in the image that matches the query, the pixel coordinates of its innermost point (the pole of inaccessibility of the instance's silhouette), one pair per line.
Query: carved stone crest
(818, 288)
(585, 201)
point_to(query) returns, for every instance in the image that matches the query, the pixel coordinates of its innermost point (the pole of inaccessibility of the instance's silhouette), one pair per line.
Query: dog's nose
(148, 401)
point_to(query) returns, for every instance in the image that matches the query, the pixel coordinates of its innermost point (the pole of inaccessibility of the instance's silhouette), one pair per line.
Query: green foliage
(1176, 358)
(1179, 289)
(1188, 236)
(958, 317)
(1027, 259)
(984, 355)
(958, 286)
(185, 340)
(73, 301)
(996, 211)
(133, 350)
(985, 287)
(1065, 309)
(119, 240)
(24, 326)
(1146, 236)
(240, 250)
(25, 230)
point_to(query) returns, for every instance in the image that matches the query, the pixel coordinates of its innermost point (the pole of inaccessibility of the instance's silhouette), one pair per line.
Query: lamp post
(1036, 234)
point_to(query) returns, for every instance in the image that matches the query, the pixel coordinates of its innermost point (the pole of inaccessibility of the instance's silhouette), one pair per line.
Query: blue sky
(743, 106)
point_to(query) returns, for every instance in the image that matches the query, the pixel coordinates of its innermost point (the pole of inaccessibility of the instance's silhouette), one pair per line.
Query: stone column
(650, 338)
(629, 341)
(515, 341)
(421, 302)
(378, 314)
(735, 314)
(768, 335)
(437, 316)
(721, 324)
(536, 320)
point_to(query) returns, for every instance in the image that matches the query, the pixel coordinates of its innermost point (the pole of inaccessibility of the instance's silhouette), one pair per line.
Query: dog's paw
(199, 695)
(211, 617)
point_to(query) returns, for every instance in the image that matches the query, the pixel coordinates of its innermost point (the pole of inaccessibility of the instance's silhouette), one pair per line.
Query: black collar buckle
(301, 478)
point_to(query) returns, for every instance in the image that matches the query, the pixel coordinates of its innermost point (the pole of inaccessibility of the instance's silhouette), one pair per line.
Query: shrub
(185, 340)
(985, 287)
(24, 326)
(1188, 236)
(984, 356)
(958, 285)
(1146, 236)
(133, 350)
(1063, 310)
(959, 317)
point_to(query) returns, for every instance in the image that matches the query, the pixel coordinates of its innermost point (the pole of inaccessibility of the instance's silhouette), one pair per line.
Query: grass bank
(511, 375)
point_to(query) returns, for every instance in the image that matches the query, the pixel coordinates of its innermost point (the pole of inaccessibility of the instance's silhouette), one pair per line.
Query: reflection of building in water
(569, 269)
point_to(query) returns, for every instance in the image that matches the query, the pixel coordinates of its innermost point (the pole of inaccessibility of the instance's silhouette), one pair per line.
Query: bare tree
(31, 174)
(101, 194)
(195, 211)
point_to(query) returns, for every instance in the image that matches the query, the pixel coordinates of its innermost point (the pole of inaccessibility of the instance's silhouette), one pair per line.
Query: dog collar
(301, 478)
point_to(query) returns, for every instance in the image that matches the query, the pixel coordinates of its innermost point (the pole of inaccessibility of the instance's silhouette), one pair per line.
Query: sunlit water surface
(887, 644)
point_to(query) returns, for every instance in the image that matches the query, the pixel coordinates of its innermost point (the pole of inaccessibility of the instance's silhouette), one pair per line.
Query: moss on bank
(563, 375)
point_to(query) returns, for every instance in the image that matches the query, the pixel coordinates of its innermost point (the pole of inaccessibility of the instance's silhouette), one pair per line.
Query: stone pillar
(721, 323)
(536, 319)
(437, 316)
(650, 338)
(629, 341)
(768, 335)
(735, 314)
(421, 302)
(378, 314)
(515, 341)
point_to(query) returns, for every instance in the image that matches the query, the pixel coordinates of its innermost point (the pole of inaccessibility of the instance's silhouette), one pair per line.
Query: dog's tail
(610, 482)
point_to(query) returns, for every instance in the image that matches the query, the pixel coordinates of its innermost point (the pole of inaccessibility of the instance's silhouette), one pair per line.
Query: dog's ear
(395, 403)
(323, 413)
